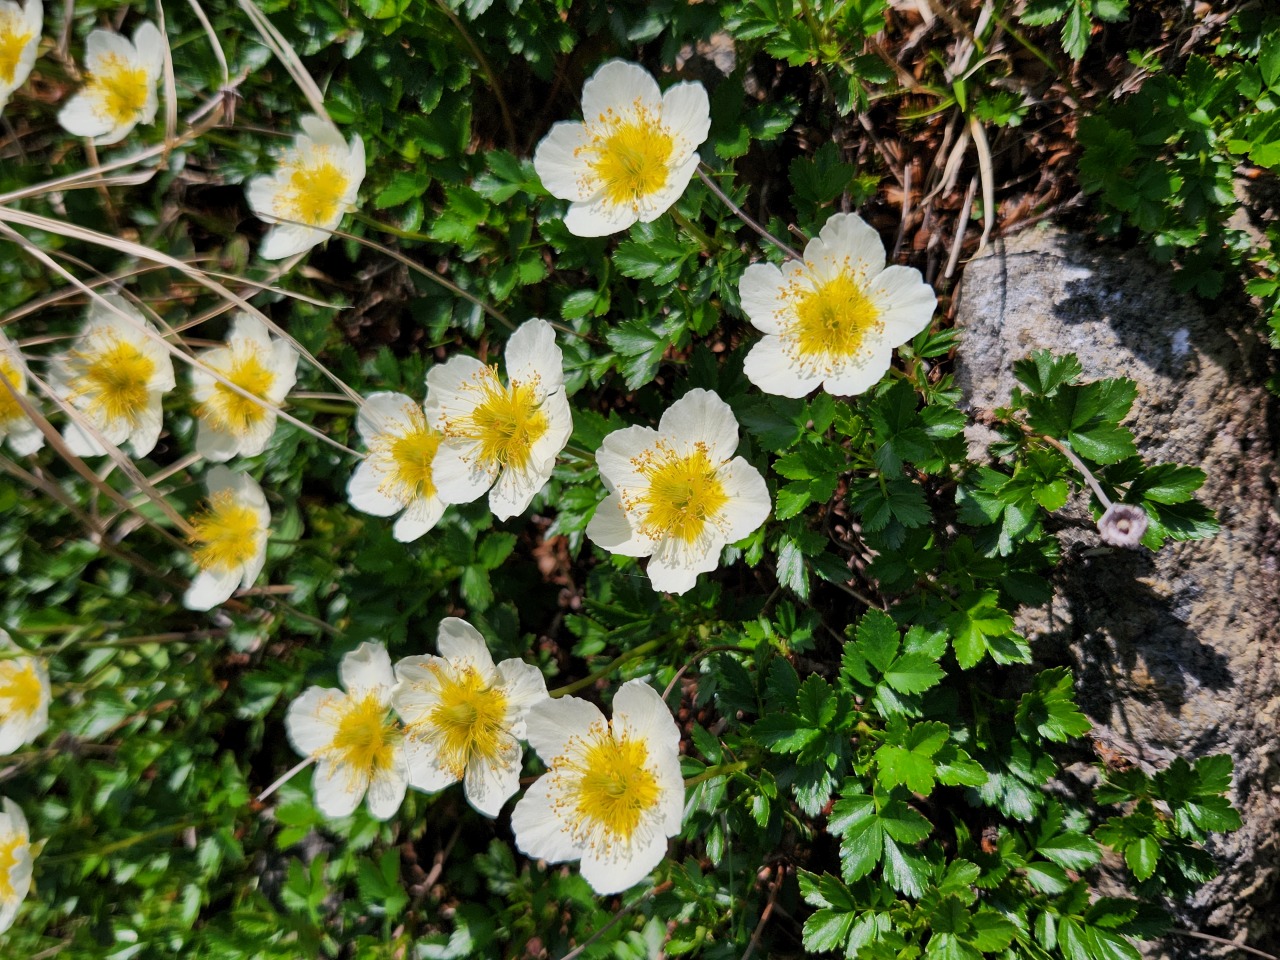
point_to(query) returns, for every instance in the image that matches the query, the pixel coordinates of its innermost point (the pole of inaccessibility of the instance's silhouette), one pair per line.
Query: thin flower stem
(486, 68)
(709, 244)
(388, 228)
(578, 950)
(1224, 941)
(1079, 465)
(126, 843)
(633, 654)
(742, 215)
(720, 770)
(288, 775)
(323, 406)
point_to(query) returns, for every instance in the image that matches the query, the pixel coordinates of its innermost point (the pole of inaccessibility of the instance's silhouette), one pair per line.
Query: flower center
(832, 321)
(115, 379)
(9, 408)
(365, 740)
(632, 158)
(20, 688)
(405, 458)
(225, 535)
(507, 422)
(10, 844)
(314, 192)
(228, 409)
(14, 38)
(469, 722)
(685, 493)
(119, 88)
(610, 790)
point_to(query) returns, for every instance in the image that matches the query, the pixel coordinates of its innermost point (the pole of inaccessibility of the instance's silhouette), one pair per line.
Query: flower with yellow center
(120, 85)
(397, 475)
(24, 698)
(19, 41)
(114, 376)
(315, 182)
(464, 716)
(633, 154)
(22, 435)
(228, 538)
(232, 424)
(503, 436)
(677, 494)
(357, 744)
(612, 793)
(15, 861)
(833, 320)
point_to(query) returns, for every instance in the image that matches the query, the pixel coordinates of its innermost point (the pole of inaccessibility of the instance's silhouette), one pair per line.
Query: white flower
(315, 183)
(675, 494)
(24, 698)
(15, 861)
(1123, 525)
(266, 367)
(120, 89)
(16, 427)
(633, 154)
(396, 476)
(500, 436)
(356, 743)
(833, 320)
(229, 538)
(19, 40)
(612, 793)
(115, 375)
(464, 718)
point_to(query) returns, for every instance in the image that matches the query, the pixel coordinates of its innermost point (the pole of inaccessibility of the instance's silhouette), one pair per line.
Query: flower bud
(1123, 525)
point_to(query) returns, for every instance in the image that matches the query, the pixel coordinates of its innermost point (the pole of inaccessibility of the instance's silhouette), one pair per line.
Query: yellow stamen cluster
(631, 157)
(231, 411)
(404, 459)
(831, 321)
(684, 493)
(608, 790)
(119, 88)
(469, 723)
(114, 377)
(366, 737)
(20, 688)
(9, 846)
(9, 408)
(225, 535)
(506, 423)
(314, 191)
(14, 37)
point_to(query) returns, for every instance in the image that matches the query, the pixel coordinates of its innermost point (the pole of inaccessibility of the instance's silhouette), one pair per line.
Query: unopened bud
(1123, 525)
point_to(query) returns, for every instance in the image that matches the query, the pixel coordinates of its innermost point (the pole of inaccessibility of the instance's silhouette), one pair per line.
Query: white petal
(460, 642)
(670, 572)
(210, 588)
(770, 368)
(150, 421)
(386, 793)
(538, 831)
(149, 43)
(657, 203)
(639, 711)
(364, 494)
(860, 374)
(385, 412)
(322, 132)
(309, 721)
(424, 770)
(80, 441)
(489, 786)
(287, 239)
(25, 438)
(459, 476)
(418, 517)
(611, 529)
(904, 301)
(624, 867)
(515, 489)
(367, 668)
(618, 450)
(106, 43)
(533, 355)
(284, 363)
(749, 501)
(261, 192)
(523, 685)
(338, 788)
(79, 119)
(848, 238)
(355, 170)
(686, 113)
(599, 217)
(562, 173)
(619, 86)
(550, 724)
(760, 290)
(445, 387)
(700, 416)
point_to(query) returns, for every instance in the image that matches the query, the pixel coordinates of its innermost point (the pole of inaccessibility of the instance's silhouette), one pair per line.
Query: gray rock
(1175, 653)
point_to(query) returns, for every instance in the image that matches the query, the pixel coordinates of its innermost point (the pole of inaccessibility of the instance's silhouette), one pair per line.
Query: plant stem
(708, 244)
(742, 215)
(322, 406)
(720, 770)
(633, 654)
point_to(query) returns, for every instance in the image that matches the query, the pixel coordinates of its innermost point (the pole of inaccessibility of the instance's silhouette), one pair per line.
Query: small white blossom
(612, 793)
(18, 429)
(24, 698)
(356, 743)
(228, 539)
(677, 494)
(396, 476)
(464, 717)
(833, 320)
(120, 87)
(115, 375)
(265, 366)
(19, 41)
(631, 157)
(1123, 525)
(15, 861)
(500, 436)
(315, 182)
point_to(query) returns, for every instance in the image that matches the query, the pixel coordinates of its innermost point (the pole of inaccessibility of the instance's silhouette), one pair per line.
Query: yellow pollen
(832, 322)
(225, 535)
(14, 37)
(314, 192)
(366, 737)
(114, 378)
(20, 688)
(469, 722)
(684, 495)
(10, 844)
(229, 410)
(405, 458)
(507, 422)
(119, 88)
(610, 789)
(9, 409)
(632, 158)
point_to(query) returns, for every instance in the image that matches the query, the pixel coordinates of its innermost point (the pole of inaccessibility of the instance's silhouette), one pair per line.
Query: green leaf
(1072, 850)
(1142, 856)
(914, 673)
(878, 639)
(1049, 708)
(904, 870)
